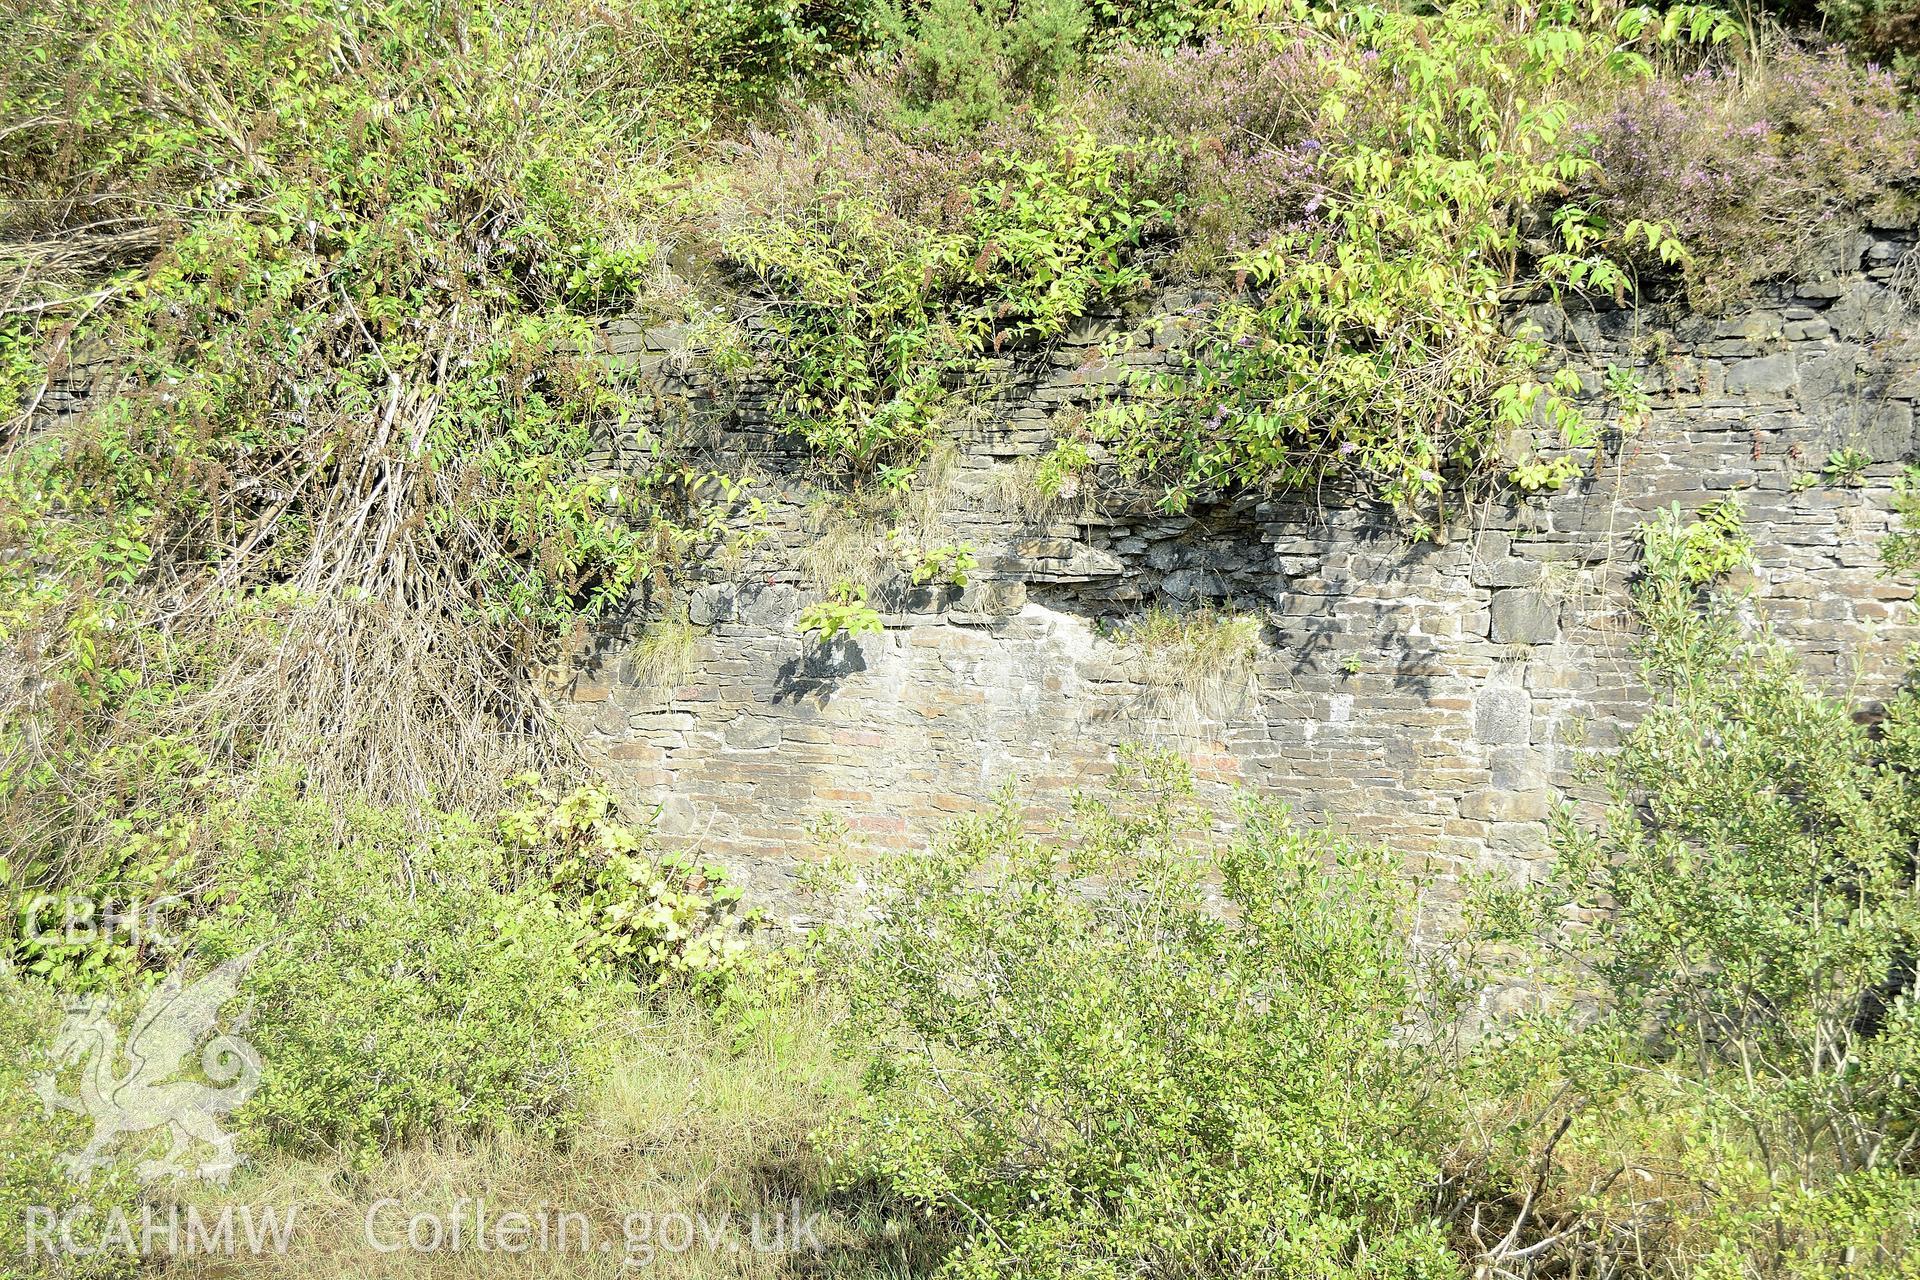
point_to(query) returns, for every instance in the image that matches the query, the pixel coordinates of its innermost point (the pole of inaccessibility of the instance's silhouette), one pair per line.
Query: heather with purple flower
(1753, 166)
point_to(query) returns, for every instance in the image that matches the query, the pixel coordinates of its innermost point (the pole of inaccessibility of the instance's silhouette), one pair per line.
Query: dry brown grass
(665, 654)
(1197, 665)
(1016, 489)
(691, 1122)
(869, 537)
(401, 703)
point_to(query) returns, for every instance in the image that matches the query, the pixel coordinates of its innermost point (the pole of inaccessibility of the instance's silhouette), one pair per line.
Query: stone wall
(1435, 695)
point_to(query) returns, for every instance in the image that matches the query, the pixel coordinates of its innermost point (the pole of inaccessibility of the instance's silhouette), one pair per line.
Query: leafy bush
(1365, 338)
(1900, 551)
(1735, 942)
(873, 315)
(1696, 553)
(1756, 928)
(33, 1137)
(945, 565)
(1131, 1052)
(419, 972)
(65, 936)
(965, 63)
(954, 67)
(733, 58)
(845, 611)
(654, 921)
(1246, 113)
(345, 257)
(408, 983)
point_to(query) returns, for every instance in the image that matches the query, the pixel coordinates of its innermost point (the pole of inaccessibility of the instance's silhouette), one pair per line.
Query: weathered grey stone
(991, 600)
(1084, 565)
(1753, 326)
(1163, 556)
(710, 604)
(1525, 617)
(1518, 768)
(1828, 377)
(772, 605)
(1546, 320)
(752, 733)
(1497, 805)
(1860, 311)
(1508, 571)
(1190, 584)
(1503, 714)
(1764, 375)
(1888, 433)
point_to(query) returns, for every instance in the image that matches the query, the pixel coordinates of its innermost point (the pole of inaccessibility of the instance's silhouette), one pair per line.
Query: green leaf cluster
(1367, 340)
(874, 319)
(1127, 1052)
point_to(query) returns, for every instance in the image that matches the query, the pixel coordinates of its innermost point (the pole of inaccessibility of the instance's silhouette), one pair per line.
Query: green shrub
(410, 981)
(860, 346)
(965, 63)
(872, 316)
(345, 258)
(1736, 941)
(33, 1137)
(734, 57)
(1698, 552)
(654, 921)
(946, 565)
(1900, 550)
(59, 929)
(845, 611)
(960, 66)
(1364, 338)
(419, 972)
(1138, 1052)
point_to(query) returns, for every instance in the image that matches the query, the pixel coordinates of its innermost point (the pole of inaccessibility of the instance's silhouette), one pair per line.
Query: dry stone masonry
(1436, 695)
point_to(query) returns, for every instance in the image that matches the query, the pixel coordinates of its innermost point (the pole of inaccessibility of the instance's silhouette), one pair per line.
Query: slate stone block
(1524, 617)
(1503, 714)
(710, 604)
(1762, 376)
(1496, 805)
(1189, 584)
(752, 733)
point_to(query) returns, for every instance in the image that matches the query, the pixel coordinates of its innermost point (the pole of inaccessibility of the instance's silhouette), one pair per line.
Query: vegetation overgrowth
(276, 601)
